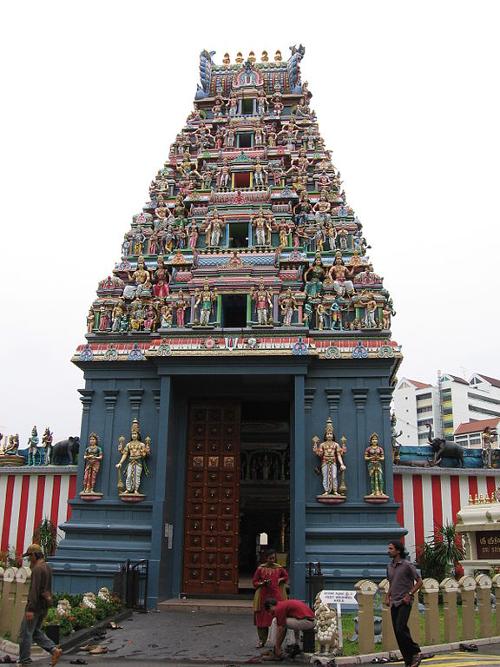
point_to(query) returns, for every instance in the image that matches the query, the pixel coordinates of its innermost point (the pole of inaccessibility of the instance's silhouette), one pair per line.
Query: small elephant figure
(444, 449)
(65, 452)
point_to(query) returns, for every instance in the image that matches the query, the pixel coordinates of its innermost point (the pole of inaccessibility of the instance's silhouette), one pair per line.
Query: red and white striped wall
(431, 497)
(27, 496)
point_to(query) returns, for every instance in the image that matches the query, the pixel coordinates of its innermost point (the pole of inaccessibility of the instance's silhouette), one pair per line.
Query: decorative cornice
(333, 398)
(110, 397)
(86, 398)
(135, 398)
(385, 395)
(360, 394)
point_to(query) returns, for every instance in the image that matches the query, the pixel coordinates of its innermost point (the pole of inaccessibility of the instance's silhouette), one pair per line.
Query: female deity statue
(288, 306)
(136, 452)
(161, 278)
(374, 455)
(180, 308)
(330, 454)
(166, 316)
(192, 231)
(314, 277)
(92, 457)
(117, 314)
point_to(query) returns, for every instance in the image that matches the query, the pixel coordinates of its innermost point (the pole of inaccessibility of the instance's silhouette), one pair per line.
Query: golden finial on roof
(251, 57)
(239, 58)
(227, 59)
(264, 57)
(277, 56)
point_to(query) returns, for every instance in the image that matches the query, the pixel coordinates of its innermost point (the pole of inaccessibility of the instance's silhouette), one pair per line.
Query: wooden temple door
(211, 518)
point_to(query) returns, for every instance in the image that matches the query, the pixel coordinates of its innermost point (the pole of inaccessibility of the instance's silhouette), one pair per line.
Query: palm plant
(46, 536)
(439, 553)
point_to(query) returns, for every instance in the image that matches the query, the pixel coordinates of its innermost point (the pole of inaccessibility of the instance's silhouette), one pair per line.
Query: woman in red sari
(269, 581)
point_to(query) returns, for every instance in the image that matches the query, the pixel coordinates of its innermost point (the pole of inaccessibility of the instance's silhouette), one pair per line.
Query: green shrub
(83, 617)
(53, 619)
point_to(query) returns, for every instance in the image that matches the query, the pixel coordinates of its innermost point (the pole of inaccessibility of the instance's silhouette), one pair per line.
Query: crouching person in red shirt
(292, 614)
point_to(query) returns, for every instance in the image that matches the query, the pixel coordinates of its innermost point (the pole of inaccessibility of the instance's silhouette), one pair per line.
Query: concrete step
(220, 606)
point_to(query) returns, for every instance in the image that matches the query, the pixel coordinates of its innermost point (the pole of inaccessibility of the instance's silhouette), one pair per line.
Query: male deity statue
(263, 304)
(213, 232)
(33, 441)
(204, 300)
(487, 442)
(330, 453)
(136, 452)
(262, 228)
(93, 458)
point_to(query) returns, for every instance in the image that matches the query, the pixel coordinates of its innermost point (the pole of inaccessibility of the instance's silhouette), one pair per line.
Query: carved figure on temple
(192, 232)
(330, 454)
(261, 104)
(260, 175)
(396, 446)
(166, 316)
(218, 107)
(263, 304)
(223, 175)
(11, 445)
(33, 441)
(90, 320)
(141, 279)
(232, 105)
(284, 230)
(104, 319)
(277, 102)
(136, 452)
(271, 136)
(302, 209)
(374, 456)
(259, 136)
(125, 246)
(93, 456)
(161, 279)
(262, 228)
(139, 239)
(47, 439)
(205, 300)
(150, 318)
(386, 316)
(341, 276)
(288, 306)
(117, 314)
(322, 209)
(302, 109)
(370, 312)
(213, 232)
(314, 277)
(180, 305)
(488, 439)
(320, 316)
(137, 315)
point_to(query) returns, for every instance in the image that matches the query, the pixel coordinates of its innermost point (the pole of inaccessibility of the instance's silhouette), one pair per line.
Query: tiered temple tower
(244, 313)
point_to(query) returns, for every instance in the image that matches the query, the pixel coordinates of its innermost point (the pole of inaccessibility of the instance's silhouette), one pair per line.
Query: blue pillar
(109, 473)
(385, 395)
(86, 397)
(298, 495)
(160, 558)
(359, 470)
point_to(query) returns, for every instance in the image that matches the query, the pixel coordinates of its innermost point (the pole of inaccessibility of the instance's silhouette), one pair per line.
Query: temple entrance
(238, 478)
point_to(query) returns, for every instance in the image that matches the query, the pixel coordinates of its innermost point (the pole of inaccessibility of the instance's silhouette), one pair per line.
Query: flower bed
(76, 612)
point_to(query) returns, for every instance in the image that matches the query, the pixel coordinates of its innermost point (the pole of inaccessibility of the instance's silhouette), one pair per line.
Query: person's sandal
(56, 654)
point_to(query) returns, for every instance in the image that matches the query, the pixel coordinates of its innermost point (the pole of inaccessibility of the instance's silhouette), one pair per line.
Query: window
(244, 139)
(427, 408)
(234, 310)
(422, 397)
(241, 179)
(247, 106)
(238, 235)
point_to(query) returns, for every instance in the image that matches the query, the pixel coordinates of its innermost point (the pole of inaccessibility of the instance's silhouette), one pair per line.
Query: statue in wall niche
(92, 457)
(136, 452)
(288, 306)
(330, 454)
(374, 456)
(314, 277)
(396, 446)
(205, 300)
(263, 304)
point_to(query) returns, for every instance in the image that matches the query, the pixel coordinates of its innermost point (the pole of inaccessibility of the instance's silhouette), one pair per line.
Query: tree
(439, 553)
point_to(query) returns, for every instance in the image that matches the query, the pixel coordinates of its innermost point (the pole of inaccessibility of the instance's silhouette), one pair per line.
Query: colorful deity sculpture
(331, 456)
(314, 277)
(288, 306)
(47, 439)
(263, 304)
(134, 453)
(33, 441)
(374, 456)
(93, 456)
(204, 301)
(488, 439)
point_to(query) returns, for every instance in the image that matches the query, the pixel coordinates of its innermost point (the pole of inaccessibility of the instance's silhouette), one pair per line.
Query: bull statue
(445, 449)
(65, 452)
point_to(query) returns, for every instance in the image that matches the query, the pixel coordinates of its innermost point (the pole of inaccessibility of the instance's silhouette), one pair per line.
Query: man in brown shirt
(404, 582)
(39, 599)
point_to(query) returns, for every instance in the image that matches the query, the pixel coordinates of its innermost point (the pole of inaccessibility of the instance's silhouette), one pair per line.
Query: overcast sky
(94, 92)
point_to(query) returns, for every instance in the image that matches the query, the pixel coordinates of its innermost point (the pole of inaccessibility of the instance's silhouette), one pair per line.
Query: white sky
(94, 93)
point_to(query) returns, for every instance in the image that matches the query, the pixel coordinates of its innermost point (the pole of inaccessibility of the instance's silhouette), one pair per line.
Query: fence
(468, 591)
(14, 588)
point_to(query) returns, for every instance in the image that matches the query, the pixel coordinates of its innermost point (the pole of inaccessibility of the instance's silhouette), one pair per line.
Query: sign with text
(338, 597)
(488, 545)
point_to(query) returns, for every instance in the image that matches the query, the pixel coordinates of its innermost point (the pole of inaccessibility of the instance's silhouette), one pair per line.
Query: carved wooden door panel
(211, 519)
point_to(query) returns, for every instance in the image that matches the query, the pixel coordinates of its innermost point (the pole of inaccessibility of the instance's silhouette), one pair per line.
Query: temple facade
(238, 362)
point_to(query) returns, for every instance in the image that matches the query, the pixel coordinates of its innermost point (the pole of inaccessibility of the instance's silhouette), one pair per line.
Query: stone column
(483, 595)
(355, 462)
(159, 556)
(389, 642)
(110, 452)
(430, 590)
(86, 398)
(496, 587)
(467, 589)
(385, 396)
(333, 399)
(450, 589)
(297, 494)
(366, 590)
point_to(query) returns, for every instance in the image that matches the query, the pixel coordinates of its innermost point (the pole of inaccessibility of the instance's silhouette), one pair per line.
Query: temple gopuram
(238, 361)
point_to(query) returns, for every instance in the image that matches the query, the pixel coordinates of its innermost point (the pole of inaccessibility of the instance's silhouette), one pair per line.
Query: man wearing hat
(39, 599)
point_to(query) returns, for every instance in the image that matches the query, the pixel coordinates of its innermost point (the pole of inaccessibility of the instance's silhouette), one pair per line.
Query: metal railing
(131, 584)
